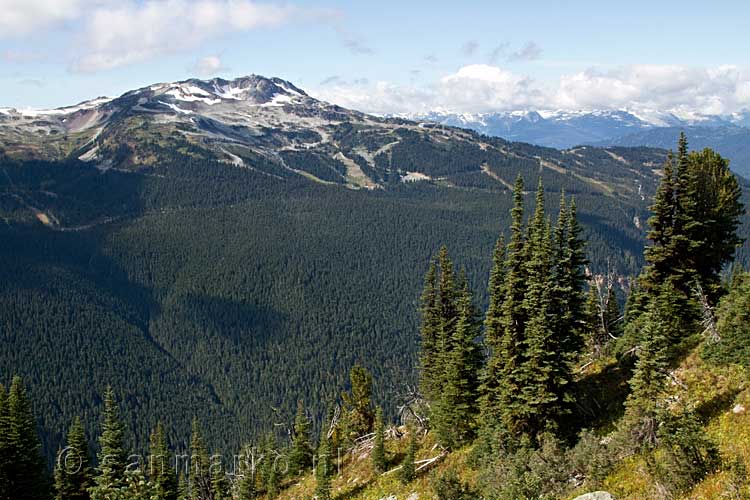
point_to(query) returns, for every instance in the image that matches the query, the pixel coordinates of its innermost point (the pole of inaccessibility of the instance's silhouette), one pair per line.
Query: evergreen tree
(5, 454)
(538, 404)
(456, 410)
(219, 480)
(200, 480)
(659, 253)
(502, 384)
(323, 468)
(733, 325)
(568, 320)
(408, 473)
(493, 334)
(429, 329)
(660, 323)
(717, 209)
(73, 467)
(269, 467)
(161, 473)
(245, 485)
(300, 458)
(113, 459)
(378, 449)
(24, 472)
(136, 486)
(612, 315)
(693, 228)
(358, 415)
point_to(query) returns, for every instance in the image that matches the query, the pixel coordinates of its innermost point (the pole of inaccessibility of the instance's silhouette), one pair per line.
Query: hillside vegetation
(553, 391)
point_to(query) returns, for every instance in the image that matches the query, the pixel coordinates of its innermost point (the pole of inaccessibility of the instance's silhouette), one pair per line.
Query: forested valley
(537, 374)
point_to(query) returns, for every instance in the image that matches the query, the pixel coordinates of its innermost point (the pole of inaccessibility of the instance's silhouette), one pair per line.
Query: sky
(687, 57)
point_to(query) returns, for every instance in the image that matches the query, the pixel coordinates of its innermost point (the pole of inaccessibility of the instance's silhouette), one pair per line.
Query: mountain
(219, 249)
(731, 141)
(564, 129)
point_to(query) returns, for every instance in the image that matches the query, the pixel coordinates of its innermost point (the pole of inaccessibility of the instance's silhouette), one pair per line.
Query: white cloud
(679, 89)
(682, 90)
(21, 17)
(208, 66)
(136, 31)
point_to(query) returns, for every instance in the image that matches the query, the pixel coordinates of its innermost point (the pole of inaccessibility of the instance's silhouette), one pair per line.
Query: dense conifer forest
(536, 376)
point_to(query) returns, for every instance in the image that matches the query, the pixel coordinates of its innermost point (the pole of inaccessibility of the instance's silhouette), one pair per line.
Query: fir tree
(358, 415)
(136, 486)
(378, 449)
(323, 468)
(659, 253)
(612, 315)
(660, 324)
(300, 458)
(200, 480)
(493, 332)
(507, 355)
(408, 473)
(160, 471)
(538, 404)
(693, 228)
(269, 470)
(110, 476)
(245, 485)
(73, 467)
(24, 468)
(219, 480)
(429, 329)
(456, 409)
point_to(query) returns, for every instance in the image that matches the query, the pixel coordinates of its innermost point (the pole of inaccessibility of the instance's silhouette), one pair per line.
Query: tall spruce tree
(538, 404)
(200, 480)
(113, 459)
(501, 408)
(429, 328)
(160, 469)
(73, 466)
(24, 473)
(300, 457)
(455, 411)
(493, 335)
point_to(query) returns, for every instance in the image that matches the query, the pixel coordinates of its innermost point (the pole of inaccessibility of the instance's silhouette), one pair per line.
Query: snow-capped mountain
(564, 129)
(729, 134)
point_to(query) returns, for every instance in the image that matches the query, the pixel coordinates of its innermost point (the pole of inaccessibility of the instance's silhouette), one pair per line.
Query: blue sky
(388, 56)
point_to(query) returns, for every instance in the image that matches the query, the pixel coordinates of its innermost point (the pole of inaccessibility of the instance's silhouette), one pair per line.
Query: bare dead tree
(414, 408)
(708, 319)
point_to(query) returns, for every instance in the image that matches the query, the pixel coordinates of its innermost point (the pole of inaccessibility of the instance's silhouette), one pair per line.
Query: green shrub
(448, 486)
(733, 325)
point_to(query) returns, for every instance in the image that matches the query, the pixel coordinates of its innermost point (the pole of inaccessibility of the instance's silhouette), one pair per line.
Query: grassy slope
(713, 390)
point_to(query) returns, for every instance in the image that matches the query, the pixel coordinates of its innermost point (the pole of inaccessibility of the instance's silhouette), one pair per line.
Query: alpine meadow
(450, 253)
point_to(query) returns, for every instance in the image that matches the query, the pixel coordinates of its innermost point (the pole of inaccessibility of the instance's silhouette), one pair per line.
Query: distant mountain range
(729, 134)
